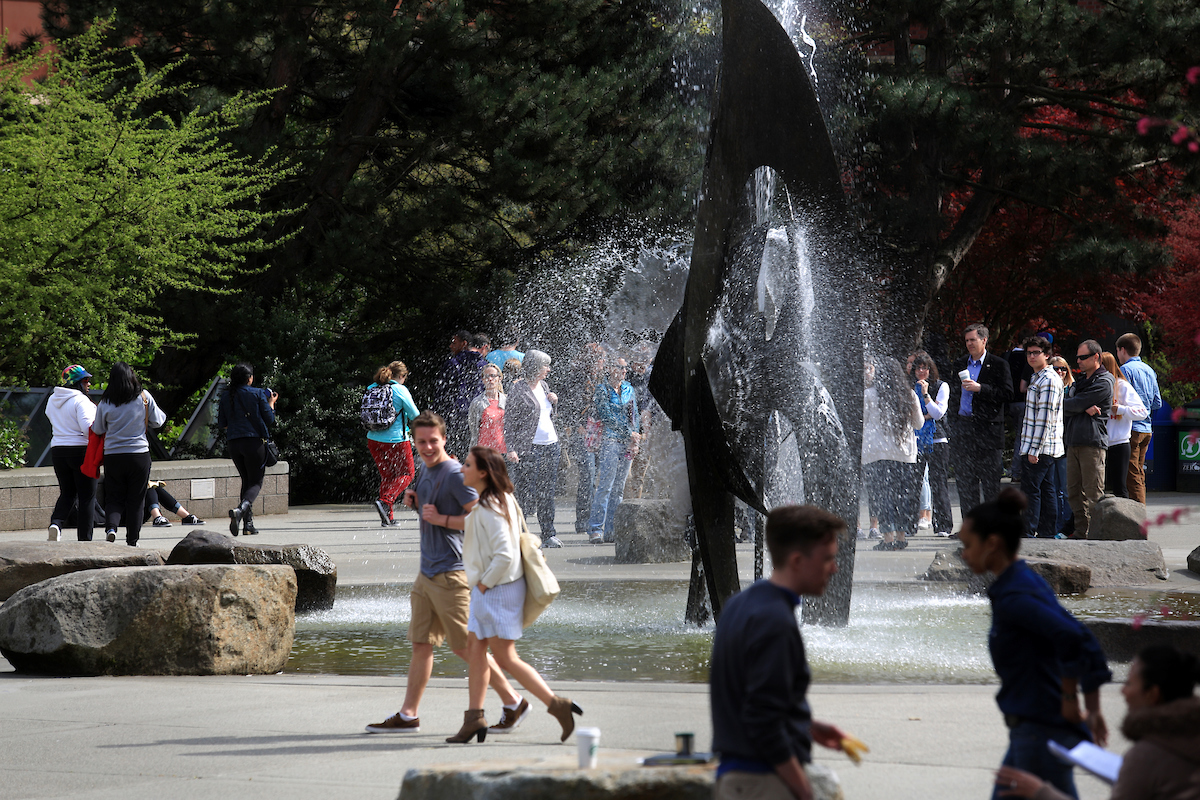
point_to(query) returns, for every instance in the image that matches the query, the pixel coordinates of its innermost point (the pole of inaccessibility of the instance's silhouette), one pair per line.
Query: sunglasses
(1061, 369)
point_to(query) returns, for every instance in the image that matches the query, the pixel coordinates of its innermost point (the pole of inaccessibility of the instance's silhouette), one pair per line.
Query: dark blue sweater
(759, 680)
(245, 412)
(1035, 643)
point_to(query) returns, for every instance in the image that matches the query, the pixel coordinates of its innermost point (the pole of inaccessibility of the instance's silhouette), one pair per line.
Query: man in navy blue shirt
(763, 729)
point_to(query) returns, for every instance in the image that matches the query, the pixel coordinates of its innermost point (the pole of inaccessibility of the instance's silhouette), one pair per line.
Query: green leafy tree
(975, 106)
(107, 203)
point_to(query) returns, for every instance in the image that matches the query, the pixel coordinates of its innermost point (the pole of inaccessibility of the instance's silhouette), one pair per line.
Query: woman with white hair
(532, 441)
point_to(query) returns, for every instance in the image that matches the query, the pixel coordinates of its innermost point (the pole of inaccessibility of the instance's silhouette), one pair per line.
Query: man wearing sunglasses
(1085, 415)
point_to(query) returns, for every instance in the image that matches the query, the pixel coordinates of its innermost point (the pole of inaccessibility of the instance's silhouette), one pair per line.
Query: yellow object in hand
(854, 748)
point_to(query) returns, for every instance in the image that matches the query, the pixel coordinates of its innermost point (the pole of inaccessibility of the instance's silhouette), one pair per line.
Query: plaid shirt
(1042, 427)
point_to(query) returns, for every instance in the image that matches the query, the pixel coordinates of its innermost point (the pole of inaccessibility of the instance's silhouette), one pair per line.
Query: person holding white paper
(1163, 723)
(1045, 658)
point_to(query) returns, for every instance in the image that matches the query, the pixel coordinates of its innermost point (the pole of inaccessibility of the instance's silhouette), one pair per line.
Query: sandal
(883, 546)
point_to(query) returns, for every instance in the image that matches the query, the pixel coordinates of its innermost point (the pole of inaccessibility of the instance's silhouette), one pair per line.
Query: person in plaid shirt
(1041, 441)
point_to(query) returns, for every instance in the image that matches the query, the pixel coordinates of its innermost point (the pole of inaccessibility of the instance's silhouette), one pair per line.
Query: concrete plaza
(300, 736)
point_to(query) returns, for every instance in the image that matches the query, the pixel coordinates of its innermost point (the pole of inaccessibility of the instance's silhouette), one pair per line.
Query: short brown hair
(980, 330)
(1130, 343)
(800, 528)
(428, 419)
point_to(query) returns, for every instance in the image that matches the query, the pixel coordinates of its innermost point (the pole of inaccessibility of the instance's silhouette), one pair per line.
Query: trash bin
(1160, 456)
(1187, 470)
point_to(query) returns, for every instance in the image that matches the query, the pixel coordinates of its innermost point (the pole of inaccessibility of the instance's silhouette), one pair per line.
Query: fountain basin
(907, 633)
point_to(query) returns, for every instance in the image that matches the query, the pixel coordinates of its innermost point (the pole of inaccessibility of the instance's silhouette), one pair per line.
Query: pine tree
(1015, 103)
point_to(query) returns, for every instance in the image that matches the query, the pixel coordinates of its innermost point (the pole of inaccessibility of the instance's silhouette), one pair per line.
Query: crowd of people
(599, 411)
(115, 431)
(1079, 434)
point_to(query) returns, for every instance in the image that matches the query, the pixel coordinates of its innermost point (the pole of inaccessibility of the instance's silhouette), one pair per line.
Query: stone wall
(208, 488)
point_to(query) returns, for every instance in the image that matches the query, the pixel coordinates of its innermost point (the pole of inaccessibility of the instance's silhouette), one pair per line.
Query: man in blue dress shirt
(1145, 382)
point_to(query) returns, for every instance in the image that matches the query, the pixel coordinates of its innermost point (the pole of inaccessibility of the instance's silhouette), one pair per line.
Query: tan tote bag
(541, 587)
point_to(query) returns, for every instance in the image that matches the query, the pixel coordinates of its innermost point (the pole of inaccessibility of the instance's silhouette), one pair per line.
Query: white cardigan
(491, 547)
(1130, 407)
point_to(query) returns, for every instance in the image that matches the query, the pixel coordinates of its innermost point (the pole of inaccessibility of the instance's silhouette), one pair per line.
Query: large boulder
(548, 783)
(650, 532)
(199, 620)
(1193, 561)
(1117, 519)
(1122, 639)
(26, 563)
(316, 574)
(1128, 563)
(1064, 577)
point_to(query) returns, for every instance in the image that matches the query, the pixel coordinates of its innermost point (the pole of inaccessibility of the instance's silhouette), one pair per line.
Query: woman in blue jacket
(391, 448)
(245, 414)
(1044, 656)
(615, 405)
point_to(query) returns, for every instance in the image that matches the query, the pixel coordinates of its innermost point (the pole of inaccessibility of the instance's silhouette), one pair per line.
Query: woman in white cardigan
(1127, 406)
(492, 559)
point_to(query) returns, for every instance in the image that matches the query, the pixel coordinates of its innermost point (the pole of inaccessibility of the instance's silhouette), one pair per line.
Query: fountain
(761, 367)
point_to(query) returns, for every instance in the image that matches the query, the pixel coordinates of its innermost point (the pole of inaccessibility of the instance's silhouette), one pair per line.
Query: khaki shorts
(439, 609)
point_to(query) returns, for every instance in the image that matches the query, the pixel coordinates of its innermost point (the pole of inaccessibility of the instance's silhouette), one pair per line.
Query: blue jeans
(586, 462)
(1037, 482)
(611, 472)
(1027, 750)
(1065, 514)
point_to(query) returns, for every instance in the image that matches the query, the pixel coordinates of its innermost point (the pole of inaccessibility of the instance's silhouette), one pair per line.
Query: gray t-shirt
(442, 485)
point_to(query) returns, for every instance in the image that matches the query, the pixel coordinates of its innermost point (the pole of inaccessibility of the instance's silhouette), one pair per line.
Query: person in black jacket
(763, 728)
(979, 388)
(1085, 433)
(245, 414)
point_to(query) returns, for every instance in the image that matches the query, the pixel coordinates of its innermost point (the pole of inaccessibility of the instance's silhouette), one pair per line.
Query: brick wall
(208, 488)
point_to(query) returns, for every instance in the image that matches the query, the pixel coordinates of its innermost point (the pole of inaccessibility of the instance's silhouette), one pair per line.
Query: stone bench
(207, 487)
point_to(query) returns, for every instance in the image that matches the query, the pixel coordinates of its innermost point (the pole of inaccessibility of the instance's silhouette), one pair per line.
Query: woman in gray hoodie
(125, 412)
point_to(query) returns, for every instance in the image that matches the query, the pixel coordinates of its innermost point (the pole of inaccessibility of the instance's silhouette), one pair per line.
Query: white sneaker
(859, 533)
(55, 532)
(924, 524)
(875, 534)
(110, 536)
(943, 534)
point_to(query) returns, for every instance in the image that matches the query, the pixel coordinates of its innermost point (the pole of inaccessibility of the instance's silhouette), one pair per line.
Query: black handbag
(272, 451)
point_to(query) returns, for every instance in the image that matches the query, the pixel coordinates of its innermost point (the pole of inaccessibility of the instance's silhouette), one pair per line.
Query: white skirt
(498, 612)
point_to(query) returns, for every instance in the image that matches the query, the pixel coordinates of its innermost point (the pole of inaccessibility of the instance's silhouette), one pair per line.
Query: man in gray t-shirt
(440, 489)
(440, 595)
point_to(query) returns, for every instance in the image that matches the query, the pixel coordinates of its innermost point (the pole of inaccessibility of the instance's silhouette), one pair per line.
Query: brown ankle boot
(561, 709)
(474, 727)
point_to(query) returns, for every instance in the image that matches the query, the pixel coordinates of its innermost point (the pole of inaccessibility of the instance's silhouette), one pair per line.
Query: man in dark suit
(980, 387)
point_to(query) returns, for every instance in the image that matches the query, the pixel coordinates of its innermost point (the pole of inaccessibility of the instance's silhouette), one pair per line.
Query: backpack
(377, 410)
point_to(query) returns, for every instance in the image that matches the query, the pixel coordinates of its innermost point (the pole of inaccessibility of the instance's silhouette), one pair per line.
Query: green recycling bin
(1187, 437)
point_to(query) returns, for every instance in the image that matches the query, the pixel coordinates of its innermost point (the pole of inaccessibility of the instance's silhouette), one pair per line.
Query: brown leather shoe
(396, 724)
(511, 718)
(474, 727)
(561, 709)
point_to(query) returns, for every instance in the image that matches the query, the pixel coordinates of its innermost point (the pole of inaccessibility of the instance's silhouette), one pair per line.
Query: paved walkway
(299, 736)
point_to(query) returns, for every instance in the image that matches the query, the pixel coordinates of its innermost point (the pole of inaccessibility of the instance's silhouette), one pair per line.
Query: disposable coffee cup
(964, 375)
(683, 743)
(588, 741)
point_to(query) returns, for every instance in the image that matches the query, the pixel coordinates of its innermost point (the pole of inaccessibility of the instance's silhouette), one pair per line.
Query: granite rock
(1122, 639)
(541, 783)
(1193, 561)
(650, 531)
(26, 563)
(316, 574)
(185, 620)
(1064, 577)
(1117, 519)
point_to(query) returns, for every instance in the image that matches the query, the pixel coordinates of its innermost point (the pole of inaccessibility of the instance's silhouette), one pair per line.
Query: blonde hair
(499, 374)
(1059, 361)
(395, 371)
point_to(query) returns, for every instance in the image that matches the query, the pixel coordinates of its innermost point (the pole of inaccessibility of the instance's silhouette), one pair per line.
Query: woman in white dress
(492, 559)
